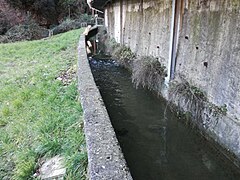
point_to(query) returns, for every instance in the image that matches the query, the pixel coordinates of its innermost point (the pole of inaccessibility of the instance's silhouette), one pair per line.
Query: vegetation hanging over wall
(124, 56)
(193, 99)
(194, 103)
(148, 72)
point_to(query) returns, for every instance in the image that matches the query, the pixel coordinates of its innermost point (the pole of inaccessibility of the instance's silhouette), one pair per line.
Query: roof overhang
(99, 3)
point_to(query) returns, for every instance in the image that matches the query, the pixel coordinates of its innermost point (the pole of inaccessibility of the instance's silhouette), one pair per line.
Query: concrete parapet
(105, 158)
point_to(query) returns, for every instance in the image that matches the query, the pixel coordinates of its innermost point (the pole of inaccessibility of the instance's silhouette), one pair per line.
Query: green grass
(39, 116)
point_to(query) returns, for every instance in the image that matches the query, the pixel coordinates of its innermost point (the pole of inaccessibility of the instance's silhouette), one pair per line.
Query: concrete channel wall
(105, 158)
(144, 27)
(198, 40)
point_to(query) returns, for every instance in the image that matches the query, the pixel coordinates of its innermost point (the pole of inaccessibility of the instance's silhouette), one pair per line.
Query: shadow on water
(155, 148)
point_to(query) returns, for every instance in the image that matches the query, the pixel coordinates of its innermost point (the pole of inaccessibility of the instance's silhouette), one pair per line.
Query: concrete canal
(156, 145)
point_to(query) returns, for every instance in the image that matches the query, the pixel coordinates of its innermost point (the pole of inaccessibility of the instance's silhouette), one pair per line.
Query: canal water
(156, 147)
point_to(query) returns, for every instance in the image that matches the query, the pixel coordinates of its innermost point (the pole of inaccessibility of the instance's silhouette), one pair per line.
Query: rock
(52, 169)
(59, 78)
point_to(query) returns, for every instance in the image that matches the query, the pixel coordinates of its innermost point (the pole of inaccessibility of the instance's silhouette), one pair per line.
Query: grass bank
(40, 116)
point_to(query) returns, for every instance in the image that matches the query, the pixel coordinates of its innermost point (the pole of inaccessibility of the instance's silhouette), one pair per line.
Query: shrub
(27, 31)
(67, 25)
(4, 39)
(4, 24)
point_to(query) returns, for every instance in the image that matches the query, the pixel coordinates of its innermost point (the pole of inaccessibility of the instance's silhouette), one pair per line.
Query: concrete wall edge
(105, 157)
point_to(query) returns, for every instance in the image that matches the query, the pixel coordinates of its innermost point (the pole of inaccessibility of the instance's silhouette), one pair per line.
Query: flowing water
(156, 147)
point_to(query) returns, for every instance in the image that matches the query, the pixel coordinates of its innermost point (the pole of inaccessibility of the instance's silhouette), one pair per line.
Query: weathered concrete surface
(145, 26)
(208, 58)
(207, 55)
(105, 158)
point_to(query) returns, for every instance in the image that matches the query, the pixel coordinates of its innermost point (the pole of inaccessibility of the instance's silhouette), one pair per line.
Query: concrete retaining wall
(145, 27)
(105, 158)
(210, 57)
(206, 47)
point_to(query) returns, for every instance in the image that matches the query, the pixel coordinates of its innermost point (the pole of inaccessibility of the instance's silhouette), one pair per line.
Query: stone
(53, 169)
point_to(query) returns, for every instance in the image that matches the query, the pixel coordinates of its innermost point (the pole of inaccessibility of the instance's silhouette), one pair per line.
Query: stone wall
(207, 46)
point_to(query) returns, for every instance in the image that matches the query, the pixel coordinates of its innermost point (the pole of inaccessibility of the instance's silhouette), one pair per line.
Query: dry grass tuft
(193, 98)
(124, 56)
(148, 72)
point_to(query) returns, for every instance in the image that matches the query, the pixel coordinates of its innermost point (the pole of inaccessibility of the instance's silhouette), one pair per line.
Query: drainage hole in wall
(205, 64)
